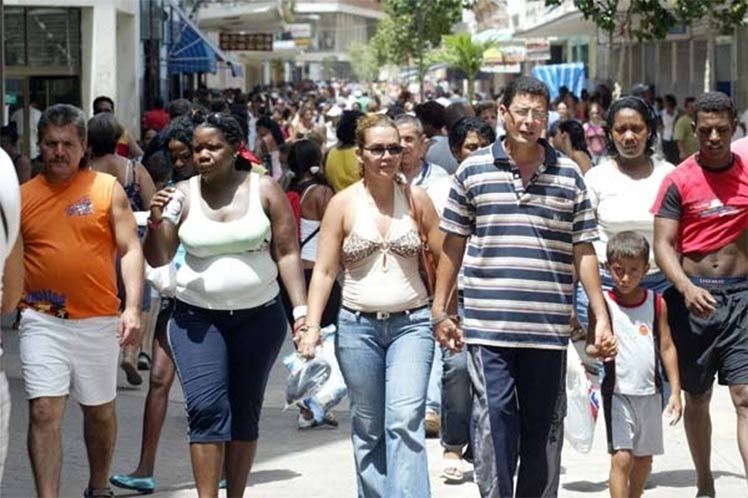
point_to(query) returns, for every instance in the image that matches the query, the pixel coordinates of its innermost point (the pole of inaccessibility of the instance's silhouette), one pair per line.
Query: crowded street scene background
(489, 268)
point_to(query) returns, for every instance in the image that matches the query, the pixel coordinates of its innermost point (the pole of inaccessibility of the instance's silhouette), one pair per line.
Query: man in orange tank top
(73, 221)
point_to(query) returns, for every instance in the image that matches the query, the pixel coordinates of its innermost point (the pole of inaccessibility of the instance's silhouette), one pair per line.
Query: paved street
(318, 463)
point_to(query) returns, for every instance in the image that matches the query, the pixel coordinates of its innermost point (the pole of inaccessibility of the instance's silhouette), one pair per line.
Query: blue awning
(191, 51)
(570, 75)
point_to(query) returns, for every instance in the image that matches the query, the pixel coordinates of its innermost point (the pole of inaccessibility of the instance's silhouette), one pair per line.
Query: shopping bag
(332, 391)
(306, 377)
(582, 403)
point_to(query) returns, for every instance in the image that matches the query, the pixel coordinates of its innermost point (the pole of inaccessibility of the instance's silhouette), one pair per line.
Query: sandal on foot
(144, 485)
(452, 469)
(98, 493)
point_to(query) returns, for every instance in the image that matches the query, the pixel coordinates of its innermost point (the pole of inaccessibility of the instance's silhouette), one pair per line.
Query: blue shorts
(223, 360)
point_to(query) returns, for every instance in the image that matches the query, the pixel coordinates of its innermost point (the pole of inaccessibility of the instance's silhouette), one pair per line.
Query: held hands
(448, 334)
(128, 327)
(306, 338)
(674, 409)
(159, 201)
(605, 341)
(699, 301)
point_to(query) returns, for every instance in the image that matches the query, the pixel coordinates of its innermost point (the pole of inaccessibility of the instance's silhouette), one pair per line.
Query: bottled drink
(173, 209)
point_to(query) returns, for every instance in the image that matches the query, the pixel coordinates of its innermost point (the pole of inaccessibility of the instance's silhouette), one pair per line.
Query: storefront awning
(192, 52)
(570, 24)
(570, 75)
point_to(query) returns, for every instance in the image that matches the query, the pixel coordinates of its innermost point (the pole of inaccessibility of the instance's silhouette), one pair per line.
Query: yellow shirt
(341, 168)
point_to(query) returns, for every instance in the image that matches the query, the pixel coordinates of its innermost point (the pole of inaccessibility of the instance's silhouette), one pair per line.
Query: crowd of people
(454, 247)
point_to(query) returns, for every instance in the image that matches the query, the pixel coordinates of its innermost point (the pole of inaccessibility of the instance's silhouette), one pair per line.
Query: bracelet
(154, 223)
(436, 320)
(299, 312)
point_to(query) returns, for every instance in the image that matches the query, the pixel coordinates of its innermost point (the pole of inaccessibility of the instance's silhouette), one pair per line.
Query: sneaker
(144, 485)
(144, 361)
(308, 423)
(432, 424)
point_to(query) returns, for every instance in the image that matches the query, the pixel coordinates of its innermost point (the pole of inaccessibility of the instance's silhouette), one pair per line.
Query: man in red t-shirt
(701, 243)
(156, 118)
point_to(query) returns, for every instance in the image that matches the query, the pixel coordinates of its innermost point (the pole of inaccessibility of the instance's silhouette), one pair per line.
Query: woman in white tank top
(384, 344)
(228, 324)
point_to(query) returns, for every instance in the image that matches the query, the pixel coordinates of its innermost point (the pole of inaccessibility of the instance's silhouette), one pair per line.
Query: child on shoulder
(632, 385)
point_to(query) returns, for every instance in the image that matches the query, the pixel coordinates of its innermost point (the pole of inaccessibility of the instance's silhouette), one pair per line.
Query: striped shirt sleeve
(458, 217)
(584, 228)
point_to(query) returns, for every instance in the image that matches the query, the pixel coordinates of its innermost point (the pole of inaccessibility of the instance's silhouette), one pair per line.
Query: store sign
(504, 54)
(261, 42)
(299, 30)
(502, 68)
(538, 50)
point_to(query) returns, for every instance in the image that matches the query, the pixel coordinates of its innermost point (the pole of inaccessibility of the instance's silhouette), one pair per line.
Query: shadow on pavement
(683, 478)
(585, 486)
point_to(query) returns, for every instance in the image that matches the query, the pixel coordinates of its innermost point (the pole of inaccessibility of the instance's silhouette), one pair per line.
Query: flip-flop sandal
(452, 470)
(132, 374)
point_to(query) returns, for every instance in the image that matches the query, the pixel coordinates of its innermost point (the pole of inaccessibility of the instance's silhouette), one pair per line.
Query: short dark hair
(179, 129)
(103, 133)
(639, 105)
(575, 130)
(158, 166)
(62, 115)
(99, 100)
(455, 112)
(713, 102)
(431, 113)
(179, 107)
(525, 85)
(10, 132)
(670, 99)
(346, 130)
(628, 244)
(268, 122)
(484, 105)
(465, 125)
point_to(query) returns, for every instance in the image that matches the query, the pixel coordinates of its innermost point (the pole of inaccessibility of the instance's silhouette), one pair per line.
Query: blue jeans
(386, 365)
(457, 400)
(434, 391)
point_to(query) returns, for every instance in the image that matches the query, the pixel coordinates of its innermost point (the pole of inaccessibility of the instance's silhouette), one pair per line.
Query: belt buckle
(383, 315)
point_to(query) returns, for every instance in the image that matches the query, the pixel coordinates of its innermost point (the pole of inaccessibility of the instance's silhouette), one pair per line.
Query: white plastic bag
(334, 390)
(582, 404)
(163, 278)
(306, 377)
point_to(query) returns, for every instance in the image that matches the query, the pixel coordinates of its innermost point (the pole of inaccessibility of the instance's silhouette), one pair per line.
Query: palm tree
(462, 52)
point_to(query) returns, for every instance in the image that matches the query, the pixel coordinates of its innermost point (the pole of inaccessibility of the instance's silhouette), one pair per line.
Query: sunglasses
(379, 150)
(215, 119)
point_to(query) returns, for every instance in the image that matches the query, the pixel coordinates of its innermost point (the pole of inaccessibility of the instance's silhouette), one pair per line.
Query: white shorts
(76, 357)
(636, 424)
(4, 421)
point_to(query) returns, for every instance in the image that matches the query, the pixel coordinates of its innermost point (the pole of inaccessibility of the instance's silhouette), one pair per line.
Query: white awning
(568, 25)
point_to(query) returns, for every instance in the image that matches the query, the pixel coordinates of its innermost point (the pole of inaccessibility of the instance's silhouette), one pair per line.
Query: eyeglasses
(533, 114)
(379, 150)
(199, 117)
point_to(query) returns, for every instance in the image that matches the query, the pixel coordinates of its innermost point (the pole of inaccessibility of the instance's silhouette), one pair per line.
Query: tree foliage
(364, 61)
(462, 52)
(652, 19)
(414, 27)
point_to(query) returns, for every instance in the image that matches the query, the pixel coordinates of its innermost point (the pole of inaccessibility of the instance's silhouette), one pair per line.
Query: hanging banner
(538, 49)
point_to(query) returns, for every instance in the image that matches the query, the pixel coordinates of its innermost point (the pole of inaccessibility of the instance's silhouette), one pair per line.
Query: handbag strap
(414, 213)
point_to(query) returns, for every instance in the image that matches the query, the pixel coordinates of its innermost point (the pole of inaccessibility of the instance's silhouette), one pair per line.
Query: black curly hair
(715, 102)
(346, 130)
(228, 126)
(639, 105)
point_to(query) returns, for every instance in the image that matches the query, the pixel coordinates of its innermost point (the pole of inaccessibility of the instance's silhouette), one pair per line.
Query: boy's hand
(608, 348)
(674, 409)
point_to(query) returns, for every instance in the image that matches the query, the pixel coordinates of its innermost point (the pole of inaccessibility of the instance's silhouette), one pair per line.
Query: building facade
(71, 52)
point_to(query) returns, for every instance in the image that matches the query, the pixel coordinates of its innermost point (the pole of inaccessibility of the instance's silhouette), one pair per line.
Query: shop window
(53, 37)
(15, 36)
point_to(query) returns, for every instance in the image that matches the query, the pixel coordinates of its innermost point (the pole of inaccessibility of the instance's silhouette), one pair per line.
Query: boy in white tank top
(632, 387)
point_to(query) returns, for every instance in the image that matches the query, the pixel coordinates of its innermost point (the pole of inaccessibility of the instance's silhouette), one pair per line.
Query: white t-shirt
(668, 122)
(623, 203)
(10, 201)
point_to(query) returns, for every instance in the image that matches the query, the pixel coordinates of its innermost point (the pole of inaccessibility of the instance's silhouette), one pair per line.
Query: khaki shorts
(76, 357)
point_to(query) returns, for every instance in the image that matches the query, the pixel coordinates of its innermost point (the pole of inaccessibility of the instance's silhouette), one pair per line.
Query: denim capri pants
(223, 360)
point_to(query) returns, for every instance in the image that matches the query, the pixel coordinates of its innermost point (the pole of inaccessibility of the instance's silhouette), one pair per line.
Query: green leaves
(653, 19)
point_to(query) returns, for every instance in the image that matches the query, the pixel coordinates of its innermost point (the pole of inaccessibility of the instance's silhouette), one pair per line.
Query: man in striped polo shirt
(523, 211)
